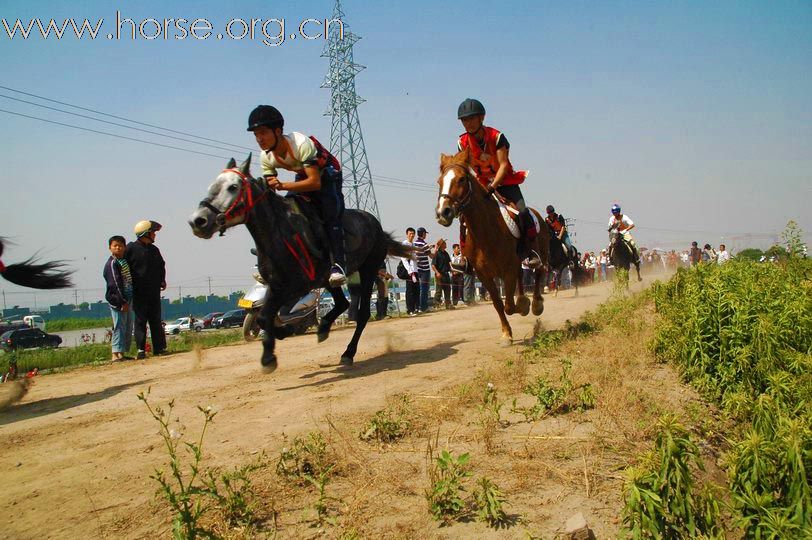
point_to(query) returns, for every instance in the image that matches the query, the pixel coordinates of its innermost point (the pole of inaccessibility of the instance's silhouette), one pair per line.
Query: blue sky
(694, 116)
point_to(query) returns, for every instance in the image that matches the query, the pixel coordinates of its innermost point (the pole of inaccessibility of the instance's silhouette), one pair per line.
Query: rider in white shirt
(624, 224)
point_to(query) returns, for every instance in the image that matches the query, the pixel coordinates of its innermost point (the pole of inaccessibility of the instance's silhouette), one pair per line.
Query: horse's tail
(395, 248)
(49, 275)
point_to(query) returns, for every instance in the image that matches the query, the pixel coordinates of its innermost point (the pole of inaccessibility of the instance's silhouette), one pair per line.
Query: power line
(115, 123)
(112, 134)
(122, 118)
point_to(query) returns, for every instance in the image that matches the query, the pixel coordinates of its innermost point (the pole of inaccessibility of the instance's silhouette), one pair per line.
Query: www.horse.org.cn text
(271, 32)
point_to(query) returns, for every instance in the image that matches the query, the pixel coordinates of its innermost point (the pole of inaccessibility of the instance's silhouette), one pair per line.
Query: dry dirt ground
(76, 453)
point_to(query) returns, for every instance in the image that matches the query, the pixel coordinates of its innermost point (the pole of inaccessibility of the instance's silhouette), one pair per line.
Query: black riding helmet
(470, 107)
(550, 209)
(265, 115)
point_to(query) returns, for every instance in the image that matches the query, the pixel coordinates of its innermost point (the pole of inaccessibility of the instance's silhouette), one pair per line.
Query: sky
(695, 117)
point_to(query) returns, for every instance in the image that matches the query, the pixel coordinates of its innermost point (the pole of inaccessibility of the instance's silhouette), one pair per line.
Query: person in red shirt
(490, 161)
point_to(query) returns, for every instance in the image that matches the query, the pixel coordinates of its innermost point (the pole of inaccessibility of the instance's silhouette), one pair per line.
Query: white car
(182, 324)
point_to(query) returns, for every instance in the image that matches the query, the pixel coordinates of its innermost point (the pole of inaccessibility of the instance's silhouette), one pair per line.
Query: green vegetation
(52, 359)
(446, 491)
(741, 333)
(659, 497)
(60, 325)
(389, 424)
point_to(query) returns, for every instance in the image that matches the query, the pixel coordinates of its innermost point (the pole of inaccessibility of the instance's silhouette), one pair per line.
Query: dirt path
(77, 451)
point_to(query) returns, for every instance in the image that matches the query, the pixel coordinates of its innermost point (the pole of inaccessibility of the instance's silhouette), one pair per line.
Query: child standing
(119, 295)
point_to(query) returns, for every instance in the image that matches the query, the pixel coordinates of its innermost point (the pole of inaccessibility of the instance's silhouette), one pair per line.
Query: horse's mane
(36, 275)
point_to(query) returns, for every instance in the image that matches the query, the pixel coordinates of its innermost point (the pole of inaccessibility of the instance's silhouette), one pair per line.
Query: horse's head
(456, 183)
(228, 202)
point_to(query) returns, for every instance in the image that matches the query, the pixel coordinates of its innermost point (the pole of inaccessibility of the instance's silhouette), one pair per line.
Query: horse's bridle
(240, 207)
(458, 205)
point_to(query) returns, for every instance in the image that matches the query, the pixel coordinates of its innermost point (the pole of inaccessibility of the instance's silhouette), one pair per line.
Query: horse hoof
(506, 341)
(321, 336)
(538, 308)
(639, 279)
(345, 362)
(269, 364)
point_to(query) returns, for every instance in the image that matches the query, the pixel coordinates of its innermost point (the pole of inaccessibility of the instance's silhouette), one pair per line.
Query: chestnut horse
(489, 244)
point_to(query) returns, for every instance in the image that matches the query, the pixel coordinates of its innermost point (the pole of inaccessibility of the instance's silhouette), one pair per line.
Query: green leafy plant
(659, 498)
(490, 417)
(446, 490)
(234, 493)
(489, 502)
(184, 491)
(389, 424)
(320, 482)
(306, 457)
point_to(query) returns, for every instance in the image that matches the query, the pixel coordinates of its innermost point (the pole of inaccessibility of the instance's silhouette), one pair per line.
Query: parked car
(209, 319)
(28, 338)
(179, 325)
(234, 317)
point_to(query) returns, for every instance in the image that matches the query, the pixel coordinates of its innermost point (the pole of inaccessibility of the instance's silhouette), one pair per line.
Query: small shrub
(445, 493)
(389, 424)
(489, 502)
(307, 457)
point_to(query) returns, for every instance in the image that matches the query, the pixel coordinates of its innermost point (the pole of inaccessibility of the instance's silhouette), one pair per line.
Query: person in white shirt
(624, 224)
(722, 256)
(412, 286)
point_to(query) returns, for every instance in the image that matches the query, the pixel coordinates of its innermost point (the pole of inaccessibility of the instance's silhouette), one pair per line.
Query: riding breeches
(330, 202)
(627, 237)
(513, 193)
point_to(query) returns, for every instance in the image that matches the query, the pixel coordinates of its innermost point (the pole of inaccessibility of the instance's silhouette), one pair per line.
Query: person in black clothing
(441, 264)
(149, 279)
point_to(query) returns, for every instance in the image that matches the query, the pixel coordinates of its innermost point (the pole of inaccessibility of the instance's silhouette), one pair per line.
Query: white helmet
(145, 227)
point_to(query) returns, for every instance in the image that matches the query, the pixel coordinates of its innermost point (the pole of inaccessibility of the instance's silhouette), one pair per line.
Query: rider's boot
(527, 251)
(338, 276)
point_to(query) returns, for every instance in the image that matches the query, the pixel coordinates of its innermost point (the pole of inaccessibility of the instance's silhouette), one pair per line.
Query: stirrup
(533, 260)
(337, 276)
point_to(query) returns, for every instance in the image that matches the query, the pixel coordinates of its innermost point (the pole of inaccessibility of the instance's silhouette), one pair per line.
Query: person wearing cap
(441, 264)
(423, 263)
(558, 226)
(149, 279)
(490, 160)
(317, 174)
(624, 225)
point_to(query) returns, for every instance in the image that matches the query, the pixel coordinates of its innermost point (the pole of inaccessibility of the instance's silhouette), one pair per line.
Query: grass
(59, 325)
(68, 357)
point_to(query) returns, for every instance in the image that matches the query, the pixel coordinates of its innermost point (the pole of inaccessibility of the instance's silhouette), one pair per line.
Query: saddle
(514, 219)
(308, 222)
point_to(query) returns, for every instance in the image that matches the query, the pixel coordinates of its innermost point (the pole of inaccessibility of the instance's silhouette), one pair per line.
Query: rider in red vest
(489, 158)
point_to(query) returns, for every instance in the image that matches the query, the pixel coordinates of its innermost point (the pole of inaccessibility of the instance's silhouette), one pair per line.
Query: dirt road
(76, 453)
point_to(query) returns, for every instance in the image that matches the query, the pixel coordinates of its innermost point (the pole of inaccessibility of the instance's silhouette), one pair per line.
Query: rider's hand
(274, 183)
(490, 189)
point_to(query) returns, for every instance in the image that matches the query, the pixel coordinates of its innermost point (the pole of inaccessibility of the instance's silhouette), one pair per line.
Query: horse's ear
(245, 166)
(444, 158)
(231, 164)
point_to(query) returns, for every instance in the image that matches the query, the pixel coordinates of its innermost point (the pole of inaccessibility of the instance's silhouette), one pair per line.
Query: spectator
(457, 275)
(423, 255)
(149, 279)
(120, 296)
(695, 255)
(528, 277)
(412, 286)
(382, 283)
(469, 283)
(708, 254)
(603, 260)
(441, 264)
(722, 256)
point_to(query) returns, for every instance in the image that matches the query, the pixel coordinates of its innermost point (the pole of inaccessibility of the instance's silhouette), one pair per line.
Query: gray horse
(292, 249)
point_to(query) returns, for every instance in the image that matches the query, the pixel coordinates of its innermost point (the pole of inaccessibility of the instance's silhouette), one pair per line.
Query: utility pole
(209, 278)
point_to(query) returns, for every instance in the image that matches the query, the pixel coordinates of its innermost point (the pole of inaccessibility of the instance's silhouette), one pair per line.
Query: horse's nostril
(446, 212)
(200, 221)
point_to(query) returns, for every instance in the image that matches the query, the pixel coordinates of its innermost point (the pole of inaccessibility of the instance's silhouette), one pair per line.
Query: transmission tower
(346, 140)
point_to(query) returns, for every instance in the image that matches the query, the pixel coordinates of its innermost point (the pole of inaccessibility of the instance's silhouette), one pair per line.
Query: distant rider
(558, 226)
(624, 224)
(491, 162)
(318, 173)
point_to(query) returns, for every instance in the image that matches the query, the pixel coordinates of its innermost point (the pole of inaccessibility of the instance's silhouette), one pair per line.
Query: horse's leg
(637, 267)
(557, 280)
(522, 302)
(538, 300)
(509, 289)
(367, 281)
(496, 300)
(267, 318)
(340, 305)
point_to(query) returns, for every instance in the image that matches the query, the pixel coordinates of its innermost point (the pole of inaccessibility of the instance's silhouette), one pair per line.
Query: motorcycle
(297, 316)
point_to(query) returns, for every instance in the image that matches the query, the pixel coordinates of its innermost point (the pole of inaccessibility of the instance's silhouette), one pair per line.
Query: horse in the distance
(559, 261)
(489, 243)
(36, 275)
(620, 254)
(292, 249)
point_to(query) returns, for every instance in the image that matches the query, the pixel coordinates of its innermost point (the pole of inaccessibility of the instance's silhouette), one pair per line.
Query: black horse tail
(395, 248)
(31, 273)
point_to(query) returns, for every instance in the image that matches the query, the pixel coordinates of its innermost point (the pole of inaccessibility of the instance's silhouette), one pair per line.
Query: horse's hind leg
(538, 301)
(340, 306)
(496, 300)
(522, 302)
(367, 281)
(267, 318)
(637, 267)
